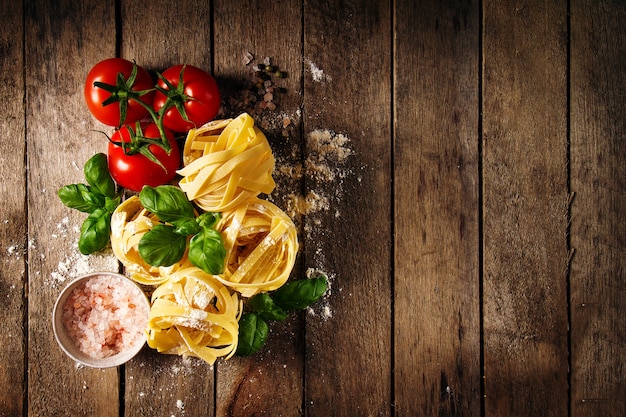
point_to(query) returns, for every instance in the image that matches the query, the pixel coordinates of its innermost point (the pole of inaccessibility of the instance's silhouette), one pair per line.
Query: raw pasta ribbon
(226, 163)
(193, 314)
(261, 247)
(129, 222)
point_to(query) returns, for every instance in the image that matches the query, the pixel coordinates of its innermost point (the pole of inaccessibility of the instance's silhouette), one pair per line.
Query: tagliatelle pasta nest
(129, 222)
(193, 314)
(226, 163)
(261, 244)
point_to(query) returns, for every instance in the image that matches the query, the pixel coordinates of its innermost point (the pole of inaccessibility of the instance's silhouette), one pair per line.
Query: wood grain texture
(62, 42)
(13, 216)
(347, 85)
(270, 382)
(161, 33)
(598, 231)
(525, 208)
(436, 319)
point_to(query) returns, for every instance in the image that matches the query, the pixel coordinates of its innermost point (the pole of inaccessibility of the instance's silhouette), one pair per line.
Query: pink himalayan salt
(104, 316)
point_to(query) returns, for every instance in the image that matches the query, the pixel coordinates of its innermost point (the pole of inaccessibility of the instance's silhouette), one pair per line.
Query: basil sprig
(98, 198)
(264, 307)
(165, 244)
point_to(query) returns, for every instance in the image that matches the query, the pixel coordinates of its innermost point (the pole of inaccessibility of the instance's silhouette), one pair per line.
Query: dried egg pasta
(129, 223)
(226, 169)
(261, 245)
(193, 314)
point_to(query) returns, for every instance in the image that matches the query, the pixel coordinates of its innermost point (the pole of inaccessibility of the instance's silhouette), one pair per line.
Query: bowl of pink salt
(100, 319)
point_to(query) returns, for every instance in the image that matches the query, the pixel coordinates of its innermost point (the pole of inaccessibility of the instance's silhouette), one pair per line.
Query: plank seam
(481, 257)
(25, 320)
(121, 395)
(568, 241)
(392, 209)
(303, 190)
(118, 27)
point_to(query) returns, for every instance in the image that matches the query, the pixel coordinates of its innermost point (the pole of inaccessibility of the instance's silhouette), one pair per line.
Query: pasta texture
(193, 314)
(129, 222)
(226, 163)
(261, 247)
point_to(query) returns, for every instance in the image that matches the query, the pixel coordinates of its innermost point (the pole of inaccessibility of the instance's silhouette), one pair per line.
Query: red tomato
(106, 72)
(199, 95)
(134, 171)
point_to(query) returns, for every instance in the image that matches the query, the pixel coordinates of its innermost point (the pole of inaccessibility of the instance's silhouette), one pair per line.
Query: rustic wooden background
(475, 237)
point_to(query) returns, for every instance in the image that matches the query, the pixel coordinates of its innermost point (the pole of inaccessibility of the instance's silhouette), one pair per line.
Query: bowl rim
(65, 342)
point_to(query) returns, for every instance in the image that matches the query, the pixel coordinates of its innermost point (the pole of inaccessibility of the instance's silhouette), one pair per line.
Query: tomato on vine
(186, 97)
(113, 89)
(136, 157)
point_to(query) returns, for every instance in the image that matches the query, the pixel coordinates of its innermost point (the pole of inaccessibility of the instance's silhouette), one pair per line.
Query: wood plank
(157, 36)
(598, 231)
(525, 208)
(269, 382)
(63, 40)
(13, 238)
(436, 319)
(347, 95)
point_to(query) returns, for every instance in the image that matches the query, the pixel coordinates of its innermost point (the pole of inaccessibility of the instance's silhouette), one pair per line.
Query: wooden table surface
(470, 215)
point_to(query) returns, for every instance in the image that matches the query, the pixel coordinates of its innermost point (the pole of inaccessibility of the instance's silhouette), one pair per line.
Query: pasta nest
(226, 163)
(193, 314)
(129, 222)
(261, 246)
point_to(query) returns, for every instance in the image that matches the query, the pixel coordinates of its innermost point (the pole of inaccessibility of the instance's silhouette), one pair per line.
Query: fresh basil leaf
(253, 331)
(187, 227)
(162, 246)
(80, 197)
(299, 294)
(264, 306)
(95, 232)
(97, 175)
(208, 220)
(207, 252)
(110, 204)
(168, 202)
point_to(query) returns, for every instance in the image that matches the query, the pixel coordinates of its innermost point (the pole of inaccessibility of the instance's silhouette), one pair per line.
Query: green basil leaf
(253, 331)
(80, 197)
(110, 204)
(207, 251)
(300, 294)
(208, 220)
(264, 306)
(168, 202)
(187, 227)
(97, 175)
(95, 232)
(162, 246)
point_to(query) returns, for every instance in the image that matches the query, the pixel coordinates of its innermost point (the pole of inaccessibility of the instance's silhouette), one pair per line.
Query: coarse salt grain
(103, 318)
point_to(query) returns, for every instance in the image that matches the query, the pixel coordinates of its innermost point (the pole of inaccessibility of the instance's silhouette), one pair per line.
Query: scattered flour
(324, 168)
(75, 264)
(322, 307)
(318, 74)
